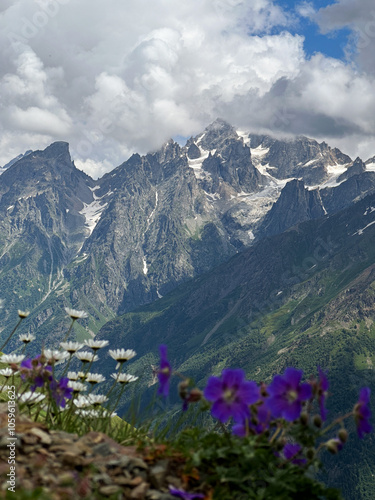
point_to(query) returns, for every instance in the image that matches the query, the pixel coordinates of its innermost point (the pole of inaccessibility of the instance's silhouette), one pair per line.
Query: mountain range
(235, 249)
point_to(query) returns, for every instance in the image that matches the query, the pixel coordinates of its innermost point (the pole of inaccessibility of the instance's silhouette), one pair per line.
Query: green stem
(335, 422)
(68, 332)
(115, 382)
(12, 333)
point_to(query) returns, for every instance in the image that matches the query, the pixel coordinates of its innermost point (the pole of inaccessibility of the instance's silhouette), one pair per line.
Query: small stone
(66, 479)
(138, 462)
(174, 481)
(158, 495)
(140, 491)
(103, 449)
(43, 436)
(30, 449)
(72, 459)
(102, 478)
(158, 473)
(109, 490)
(29, 439)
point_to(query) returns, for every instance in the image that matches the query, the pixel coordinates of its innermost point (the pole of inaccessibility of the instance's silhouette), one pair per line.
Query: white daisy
(26, 338)
(82, 402)
(54, 356)
(12, 358)
(23, 314)
(95, 378)
(71, 347)
(97, 399)
(96, 344)
(76, 386)
(74, 314)
(82, 375)
(31, 398)
(106, 413)
(89, 413)
(7, 372)
(73, 376)
(124, 378)
(86, 356)
(122, 355)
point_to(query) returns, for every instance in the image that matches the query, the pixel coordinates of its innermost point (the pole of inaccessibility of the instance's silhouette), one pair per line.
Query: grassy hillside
(303, 298)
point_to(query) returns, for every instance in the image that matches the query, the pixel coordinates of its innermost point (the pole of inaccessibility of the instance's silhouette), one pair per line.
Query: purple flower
(183, 494)
(164, 372)
(61, 391)
(258, 423)
(32, 370)
(286, 394)
(231, 395)
(291, 452)
(362, 413)
(322, 388)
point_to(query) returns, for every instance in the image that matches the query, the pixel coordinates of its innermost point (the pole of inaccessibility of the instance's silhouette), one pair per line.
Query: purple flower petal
(231, 394)
(292, 376)
(249, 392)
(213, 390)
(292, 451)
(292, 411)
(184, 495)
(286, 394)
(232, 378)
(362, 413)
(165, 372)
(221, 410)
(304, 392)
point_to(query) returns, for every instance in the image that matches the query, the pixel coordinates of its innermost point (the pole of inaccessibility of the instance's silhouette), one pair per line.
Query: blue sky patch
(331, 44)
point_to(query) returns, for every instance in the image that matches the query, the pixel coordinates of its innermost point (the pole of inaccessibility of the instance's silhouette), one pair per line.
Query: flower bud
(263, 390)
(317, 421)
(343, 435)
(195, 395)
(182, 388)
(333, 445)
(310, 454)
(304, 418)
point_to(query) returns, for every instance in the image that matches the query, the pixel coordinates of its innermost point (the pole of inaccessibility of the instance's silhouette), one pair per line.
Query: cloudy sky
(115, 77)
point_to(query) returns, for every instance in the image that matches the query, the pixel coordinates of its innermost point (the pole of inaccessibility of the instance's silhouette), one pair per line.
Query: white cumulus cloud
(120, 77)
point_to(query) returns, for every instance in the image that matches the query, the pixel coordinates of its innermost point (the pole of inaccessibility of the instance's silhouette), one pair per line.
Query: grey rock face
(296, 204)
(357, 167)
(353, 189)
(300, 158)
(112, 245)
(193, 152)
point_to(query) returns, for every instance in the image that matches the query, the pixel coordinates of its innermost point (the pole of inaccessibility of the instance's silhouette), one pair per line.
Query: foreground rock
(66, 466)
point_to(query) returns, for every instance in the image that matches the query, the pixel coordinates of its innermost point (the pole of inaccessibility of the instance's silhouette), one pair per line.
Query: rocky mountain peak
(168, 151)
(358, 167)
(216, 135)
(296, 204)
(59, 149)
(300, 157)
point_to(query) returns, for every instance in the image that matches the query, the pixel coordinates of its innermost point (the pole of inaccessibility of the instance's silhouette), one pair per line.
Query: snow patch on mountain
(145, 268)
(197, 164)
(360, 231)
(92, 213)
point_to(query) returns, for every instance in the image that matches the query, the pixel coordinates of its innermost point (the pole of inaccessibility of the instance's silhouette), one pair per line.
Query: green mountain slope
(303, 298)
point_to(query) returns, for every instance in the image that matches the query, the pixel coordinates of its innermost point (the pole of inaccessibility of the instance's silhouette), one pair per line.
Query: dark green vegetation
(246, 469)
(303, 298)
